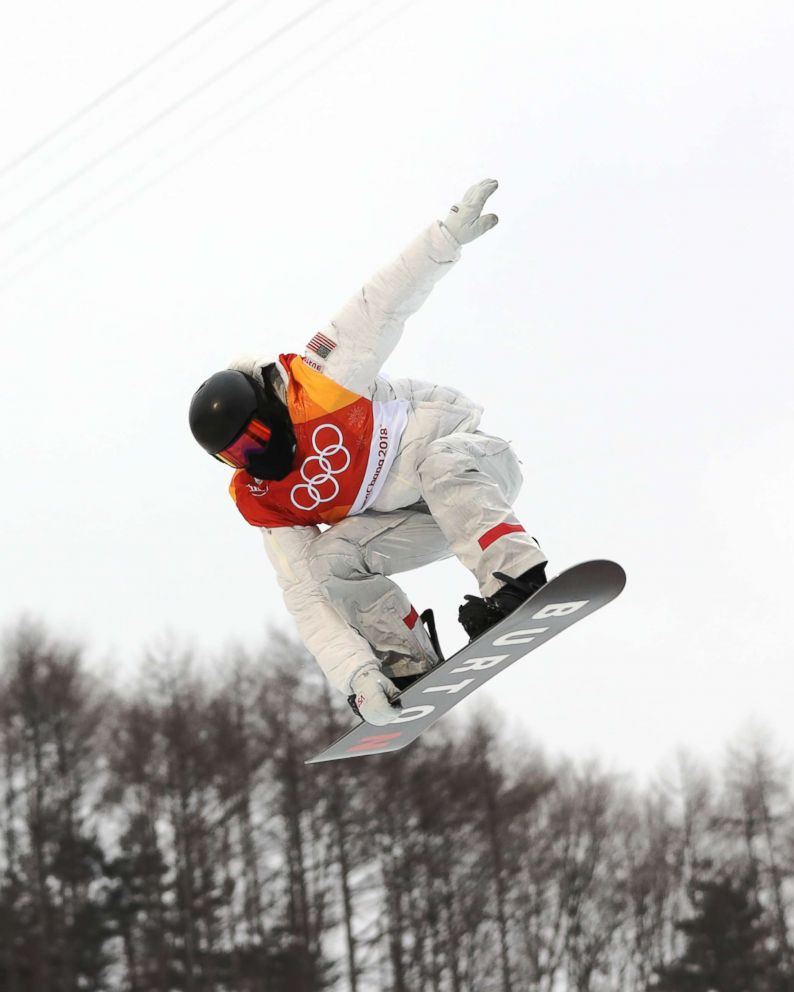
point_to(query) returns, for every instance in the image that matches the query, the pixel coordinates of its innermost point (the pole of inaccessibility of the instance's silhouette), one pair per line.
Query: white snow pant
(468, 483)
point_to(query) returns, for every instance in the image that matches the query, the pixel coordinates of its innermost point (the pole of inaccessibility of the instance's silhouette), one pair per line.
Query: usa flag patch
(321, 345)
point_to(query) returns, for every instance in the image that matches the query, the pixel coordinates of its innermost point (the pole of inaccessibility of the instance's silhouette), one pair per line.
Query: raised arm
(351, 350)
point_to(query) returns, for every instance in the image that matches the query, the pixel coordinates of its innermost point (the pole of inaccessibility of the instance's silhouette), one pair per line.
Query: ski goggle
(253, 439)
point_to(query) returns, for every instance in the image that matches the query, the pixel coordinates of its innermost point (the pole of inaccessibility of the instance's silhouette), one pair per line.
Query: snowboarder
(395, 471)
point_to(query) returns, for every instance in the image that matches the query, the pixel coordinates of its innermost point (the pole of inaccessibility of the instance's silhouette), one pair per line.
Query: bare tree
(650, 836)
(759, 809)
(141, 898)
(49, 714)
(174, 839)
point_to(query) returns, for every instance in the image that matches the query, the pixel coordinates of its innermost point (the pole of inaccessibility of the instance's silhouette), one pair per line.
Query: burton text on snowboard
(562, 602)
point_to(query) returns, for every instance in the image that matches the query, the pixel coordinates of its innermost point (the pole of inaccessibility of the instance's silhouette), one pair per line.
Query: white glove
(374, 692)
(464, 222)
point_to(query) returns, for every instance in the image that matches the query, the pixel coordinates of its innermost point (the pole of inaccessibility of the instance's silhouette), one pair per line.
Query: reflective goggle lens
(253, 439)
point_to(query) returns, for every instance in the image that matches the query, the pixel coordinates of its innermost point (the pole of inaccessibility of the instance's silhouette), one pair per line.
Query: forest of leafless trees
(171, 838)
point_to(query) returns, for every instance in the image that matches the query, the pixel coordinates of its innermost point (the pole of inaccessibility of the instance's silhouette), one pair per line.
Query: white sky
(628, 324)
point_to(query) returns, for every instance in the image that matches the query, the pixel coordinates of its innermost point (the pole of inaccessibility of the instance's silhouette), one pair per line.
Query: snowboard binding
(402, 682)
(479, 614)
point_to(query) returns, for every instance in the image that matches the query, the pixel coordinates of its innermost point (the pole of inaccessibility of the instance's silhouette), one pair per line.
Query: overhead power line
(112, 90)
(181, 163)
(162, 115)
(115, 109)
(222, 112)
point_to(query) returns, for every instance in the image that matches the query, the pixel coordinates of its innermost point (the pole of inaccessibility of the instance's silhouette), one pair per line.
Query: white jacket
(366, 331)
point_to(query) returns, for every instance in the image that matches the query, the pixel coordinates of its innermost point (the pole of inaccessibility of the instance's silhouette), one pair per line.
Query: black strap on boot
(526, 588)
(429, 620)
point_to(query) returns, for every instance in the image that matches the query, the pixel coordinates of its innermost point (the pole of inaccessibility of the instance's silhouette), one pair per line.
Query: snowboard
(562, 602)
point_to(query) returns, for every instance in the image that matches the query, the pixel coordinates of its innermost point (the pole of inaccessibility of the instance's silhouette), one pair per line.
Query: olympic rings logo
(319, 485)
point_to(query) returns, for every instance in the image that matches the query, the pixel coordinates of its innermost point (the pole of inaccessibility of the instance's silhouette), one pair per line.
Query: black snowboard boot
(478, 615)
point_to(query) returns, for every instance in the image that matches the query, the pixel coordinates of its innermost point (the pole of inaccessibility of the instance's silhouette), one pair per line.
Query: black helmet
(221, 408)
(238, 422)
